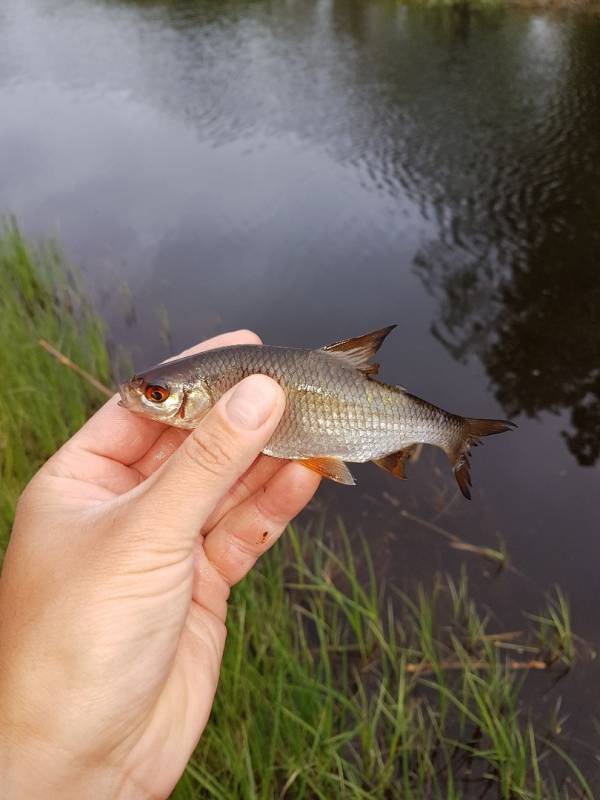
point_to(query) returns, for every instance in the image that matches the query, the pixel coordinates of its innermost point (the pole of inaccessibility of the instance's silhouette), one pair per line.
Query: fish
(337, 410)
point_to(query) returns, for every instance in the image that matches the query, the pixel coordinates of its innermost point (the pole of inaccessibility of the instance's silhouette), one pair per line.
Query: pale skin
(114, 591)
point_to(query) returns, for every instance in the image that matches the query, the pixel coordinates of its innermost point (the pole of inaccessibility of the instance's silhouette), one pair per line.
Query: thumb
(179, 497)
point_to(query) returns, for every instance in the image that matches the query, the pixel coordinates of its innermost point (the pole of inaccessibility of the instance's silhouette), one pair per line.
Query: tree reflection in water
(519, 284)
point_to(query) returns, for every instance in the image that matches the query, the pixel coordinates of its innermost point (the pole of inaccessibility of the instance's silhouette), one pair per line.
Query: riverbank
(330, 686)
(326, 691)
(42, 403)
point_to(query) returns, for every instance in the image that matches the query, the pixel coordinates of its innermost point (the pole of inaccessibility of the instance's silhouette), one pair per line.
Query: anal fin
(328, 467)
(394, 463)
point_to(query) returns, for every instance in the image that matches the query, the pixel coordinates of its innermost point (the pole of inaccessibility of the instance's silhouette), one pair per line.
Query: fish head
(166, 397)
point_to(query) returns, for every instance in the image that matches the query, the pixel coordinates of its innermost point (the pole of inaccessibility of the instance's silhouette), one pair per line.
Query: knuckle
(246, 549)
(209, 452)
(135, 541)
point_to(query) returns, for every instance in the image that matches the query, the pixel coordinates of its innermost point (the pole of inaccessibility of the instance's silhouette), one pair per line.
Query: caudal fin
(473, 430)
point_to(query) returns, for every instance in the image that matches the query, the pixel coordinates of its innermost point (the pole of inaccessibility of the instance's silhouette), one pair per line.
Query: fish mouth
(129, 391)
(125, 402)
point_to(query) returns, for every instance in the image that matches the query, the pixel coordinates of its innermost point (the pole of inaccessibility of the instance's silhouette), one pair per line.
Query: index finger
(116, 433)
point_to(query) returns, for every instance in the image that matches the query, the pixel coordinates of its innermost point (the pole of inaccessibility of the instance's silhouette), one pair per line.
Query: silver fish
(336, 409)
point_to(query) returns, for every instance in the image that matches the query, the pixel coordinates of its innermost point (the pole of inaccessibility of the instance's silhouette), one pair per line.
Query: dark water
(313, 170)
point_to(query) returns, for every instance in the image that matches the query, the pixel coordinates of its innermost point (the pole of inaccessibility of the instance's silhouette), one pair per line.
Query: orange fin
(395, 462)
(357, 352)
(459, 457)
(331, 468)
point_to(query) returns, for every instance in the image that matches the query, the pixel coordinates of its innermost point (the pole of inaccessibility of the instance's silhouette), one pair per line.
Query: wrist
(30, 768)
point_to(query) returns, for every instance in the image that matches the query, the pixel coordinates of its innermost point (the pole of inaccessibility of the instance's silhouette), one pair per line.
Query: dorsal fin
(357, 352)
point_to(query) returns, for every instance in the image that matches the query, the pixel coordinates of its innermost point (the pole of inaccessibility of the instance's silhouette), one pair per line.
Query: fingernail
(252, 402)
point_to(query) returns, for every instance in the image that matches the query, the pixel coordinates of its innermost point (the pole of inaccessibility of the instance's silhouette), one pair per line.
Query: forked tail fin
(473, 430)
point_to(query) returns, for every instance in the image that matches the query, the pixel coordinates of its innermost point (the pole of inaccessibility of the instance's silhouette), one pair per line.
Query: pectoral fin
(395, 462)
(331, 468)
(357, 352)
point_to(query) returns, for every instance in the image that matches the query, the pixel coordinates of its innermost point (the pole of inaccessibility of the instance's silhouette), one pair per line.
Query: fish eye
(156, 393)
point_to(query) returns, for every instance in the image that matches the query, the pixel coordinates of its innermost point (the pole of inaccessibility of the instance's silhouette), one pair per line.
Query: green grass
(41, 402)
(330, 687)
(326, 691)
(554, 632)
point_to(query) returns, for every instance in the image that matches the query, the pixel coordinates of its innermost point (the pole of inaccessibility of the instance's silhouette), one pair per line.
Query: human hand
(114, 591)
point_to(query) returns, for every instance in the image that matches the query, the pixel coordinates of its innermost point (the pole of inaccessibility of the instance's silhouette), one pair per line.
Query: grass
(556, 639)
(41, 402)
(327, 691)
(330, 687)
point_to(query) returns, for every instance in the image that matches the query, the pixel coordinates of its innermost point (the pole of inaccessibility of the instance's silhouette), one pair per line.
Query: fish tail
(473, 430)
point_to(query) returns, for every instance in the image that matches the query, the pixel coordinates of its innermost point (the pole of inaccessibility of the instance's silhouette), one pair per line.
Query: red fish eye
(156, 394)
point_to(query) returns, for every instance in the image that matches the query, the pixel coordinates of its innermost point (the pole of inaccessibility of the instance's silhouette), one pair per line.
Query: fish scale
(336, 409)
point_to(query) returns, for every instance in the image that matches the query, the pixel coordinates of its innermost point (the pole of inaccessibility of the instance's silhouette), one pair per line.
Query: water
(313, 170)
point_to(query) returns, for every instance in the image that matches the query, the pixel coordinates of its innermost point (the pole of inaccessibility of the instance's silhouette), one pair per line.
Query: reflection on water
(518, 276)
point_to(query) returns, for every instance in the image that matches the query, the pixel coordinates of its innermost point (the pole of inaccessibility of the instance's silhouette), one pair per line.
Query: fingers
(228, 552)
(254, 479)
(116, 433)
(172, 438)
(251, 528)
(175, 502)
